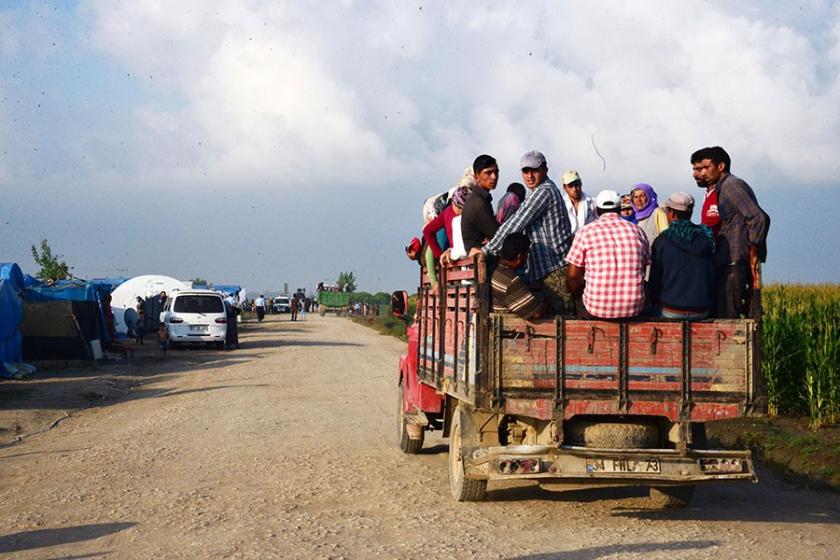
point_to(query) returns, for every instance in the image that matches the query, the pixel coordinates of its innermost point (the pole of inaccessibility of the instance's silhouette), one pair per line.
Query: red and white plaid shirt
(613, 253)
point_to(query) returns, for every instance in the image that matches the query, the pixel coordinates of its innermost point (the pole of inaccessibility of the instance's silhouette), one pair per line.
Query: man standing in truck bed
(742, 237)
(478, 222)
(544, 218)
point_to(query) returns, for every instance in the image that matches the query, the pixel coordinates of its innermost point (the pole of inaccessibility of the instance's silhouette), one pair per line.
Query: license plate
(198, 328)
(620, 465)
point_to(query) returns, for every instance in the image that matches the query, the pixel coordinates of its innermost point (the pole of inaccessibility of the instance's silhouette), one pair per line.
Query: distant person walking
(294, 306)
(259, 304)
(140, 330)
(302, 305)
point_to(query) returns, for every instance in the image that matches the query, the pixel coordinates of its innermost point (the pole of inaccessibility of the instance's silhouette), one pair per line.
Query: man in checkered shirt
(544, 219)
(611, 255)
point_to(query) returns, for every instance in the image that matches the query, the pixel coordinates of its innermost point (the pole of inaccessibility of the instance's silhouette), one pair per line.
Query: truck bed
(560, 367)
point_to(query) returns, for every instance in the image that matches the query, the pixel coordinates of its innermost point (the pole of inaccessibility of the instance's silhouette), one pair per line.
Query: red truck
(567, 401)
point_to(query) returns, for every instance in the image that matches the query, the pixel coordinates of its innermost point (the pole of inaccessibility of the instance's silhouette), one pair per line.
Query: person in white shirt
(579, 205)
(259, 303)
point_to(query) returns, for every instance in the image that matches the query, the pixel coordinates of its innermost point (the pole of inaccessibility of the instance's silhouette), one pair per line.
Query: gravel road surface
(286, 449)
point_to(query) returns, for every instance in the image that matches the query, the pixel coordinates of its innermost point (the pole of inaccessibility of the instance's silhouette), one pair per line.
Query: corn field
(801, 351)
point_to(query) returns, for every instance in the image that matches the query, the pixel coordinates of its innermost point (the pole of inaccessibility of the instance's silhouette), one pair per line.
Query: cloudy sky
(262, 142)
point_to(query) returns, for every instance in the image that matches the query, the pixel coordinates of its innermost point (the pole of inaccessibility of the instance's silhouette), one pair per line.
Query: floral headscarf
(627, 203)
(652, 203)
(459, 197)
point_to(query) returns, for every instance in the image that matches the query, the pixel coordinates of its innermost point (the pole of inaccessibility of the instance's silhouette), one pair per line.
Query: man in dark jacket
(682, 270)
(478, 222)
(742, 233)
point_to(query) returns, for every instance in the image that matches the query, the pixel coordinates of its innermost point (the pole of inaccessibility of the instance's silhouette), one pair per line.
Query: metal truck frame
(567, 401)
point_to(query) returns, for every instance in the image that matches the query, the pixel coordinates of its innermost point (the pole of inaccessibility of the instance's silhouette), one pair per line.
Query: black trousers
(732, 284)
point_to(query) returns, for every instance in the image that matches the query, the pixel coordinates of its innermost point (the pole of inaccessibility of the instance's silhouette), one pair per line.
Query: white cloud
(342, 93)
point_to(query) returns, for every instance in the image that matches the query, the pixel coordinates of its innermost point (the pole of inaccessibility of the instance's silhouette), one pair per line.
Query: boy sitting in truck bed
(510, 293)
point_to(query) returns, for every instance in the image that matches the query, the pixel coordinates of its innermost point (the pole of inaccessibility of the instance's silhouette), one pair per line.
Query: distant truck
(566, 401)
(333, 301)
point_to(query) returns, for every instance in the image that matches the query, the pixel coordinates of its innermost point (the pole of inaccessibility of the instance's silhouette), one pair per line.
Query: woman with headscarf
(649, 216)
(444, 221)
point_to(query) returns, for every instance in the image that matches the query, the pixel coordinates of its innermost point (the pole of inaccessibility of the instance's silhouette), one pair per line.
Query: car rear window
(199, 304)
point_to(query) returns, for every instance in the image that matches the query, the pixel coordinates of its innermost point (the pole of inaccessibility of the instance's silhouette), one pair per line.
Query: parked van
(282, 304)
(195, 316)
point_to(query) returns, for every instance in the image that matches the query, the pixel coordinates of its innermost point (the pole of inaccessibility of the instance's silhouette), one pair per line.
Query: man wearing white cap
(607, 264)
(579, 205)
(682, 270)
(543, 218)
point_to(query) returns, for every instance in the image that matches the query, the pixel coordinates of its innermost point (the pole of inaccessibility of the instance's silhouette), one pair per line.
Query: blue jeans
(692, 317)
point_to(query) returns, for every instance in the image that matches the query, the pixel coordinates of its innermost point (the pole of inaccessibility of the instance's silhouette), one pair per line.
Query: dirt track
(286, 449)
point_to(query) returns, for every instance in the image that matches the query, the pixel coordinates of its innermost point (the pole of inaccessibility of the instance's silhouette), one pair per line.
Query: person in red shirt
(709, 215)
(607, 264)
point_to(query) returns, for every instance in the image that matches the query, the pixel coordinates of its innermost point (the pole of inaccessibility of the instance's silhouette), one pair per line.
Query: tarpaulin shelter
(227, 289)
(65, 319)
(60, 329)
(11, 312)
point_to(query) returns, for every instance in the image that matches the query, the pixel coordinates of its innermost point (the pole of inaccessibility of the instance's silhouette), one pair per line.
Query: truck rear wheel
(407, 445)
(671, 496)
(462, 488)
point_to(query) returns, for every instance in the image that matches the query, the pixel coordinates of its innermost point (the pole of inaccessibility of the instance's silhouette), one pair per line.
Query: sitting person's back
(682, 272)
(510, 293)
(607, 264)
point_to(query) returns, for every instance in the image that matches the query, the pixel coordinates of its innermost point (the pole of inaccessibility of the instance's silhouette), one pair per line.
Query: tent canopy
(227, 289)
(12, 273)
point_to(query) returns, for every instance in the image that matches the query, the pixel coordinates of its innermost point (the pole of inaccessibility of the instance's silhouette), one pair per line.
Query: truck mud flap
(584, 464)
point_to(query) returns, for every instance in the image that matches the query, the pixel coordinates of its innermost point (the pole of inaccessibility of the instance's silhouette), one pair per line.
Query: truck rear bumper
(584, 464)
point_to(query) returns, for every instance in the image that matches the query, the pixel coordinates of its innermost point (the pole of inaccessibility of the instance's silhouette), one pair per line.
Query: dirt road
(286, 449)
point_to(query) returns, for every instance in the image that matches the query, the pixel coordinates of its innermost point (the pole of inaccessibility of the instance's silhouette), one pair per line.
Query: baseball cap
(532, 160)
(413, 245)
(607, 200)
(681, 201)
(570, 177)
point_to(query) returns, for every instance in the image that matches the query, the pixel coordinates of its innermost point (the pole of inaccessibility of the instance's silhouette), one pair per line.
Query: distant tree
(201, 281)
(346, 281)
(52, 267)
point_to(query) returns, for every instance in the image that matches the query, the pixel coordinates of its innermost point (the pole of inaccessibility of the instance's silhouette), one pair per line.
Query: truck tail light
(175, 320)
(221, 320)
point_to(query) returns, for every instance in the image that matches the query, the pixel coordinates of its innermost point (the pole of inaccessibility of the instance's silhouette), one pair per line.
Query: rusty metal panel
(719, 357)
(528, 353)
(592, 355)
(655, 355)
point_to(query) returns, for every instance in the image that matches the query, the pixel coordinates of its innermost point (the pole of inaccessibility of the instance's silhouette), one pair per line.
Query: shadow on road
(28, 540)
(725, 502)
(274, 343)
(619, 549)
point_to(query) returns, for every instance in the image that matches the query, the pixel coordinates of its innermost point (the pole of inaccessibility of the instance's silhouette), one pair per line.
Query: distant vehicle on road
(333, 301)
(195, 316)
(282, 304)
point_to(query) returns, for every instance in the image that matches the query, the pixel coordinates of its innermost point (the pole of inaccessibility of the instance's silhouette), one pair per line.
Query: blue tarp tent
(13, 273)
(73, 290)
(227, 289)
(11, 312)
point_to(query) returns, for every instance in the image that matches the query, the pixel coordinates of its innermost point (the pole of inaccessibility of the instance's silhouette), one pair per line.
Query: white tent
(124, 297)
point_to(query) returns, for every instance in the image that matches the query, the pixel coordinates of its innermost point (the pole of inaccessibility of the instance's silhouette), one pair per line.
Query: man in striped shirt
(510, 294)
(611, 255)
(544, 219)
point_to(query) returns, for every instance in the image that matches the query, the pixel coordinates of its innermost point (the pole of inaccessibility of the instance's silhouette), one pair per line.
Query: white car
(195, 316)
(282, 304)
